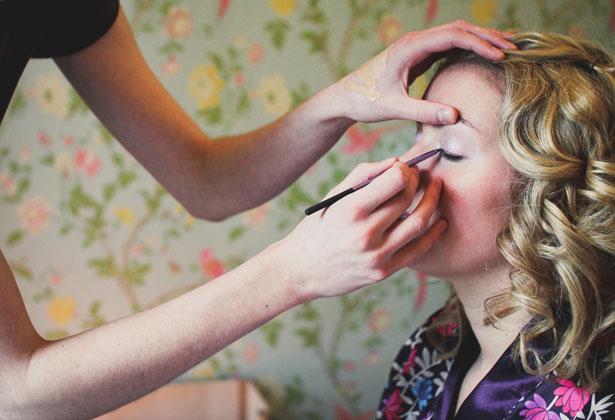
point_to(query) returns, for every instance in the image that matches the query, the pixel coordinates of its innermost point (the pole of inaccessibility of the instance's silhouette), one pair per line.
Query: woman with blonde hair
(528, 177)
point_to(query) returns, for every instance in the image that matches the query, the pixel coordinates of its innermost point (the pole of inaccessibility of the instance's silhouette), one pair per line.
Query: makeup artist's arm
(214, 179)
(357, 242)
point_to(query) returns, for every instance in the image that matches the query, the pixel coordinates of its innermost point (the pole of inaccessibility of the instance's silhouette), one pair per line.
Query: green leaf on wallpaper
(14, 237)
(283, 224)
(56, 335)
(20, 270)
(236, 232)
(46, 294)
(153, 201)
(373, 342)
(104, 266)
(212, 115)
(301, 94)
(243, 103)
(47, 159)
(136, 272)
(313, 13)
(277, 30)
(117, 159)
(317, 40)
(171, 48)
(272, 330)
(307, 312)
(126, 177)
(311, 336)
(76, 104)
(18, 103)
(294, 393)
(296, 196)
(66, 228)
(217, 60)
(109, 191)
(79, 199)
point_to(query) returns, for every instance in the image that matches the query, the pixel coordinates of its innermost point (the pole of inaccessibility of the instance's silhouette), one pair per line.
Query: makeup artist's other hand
(360, 240)
(377, 90)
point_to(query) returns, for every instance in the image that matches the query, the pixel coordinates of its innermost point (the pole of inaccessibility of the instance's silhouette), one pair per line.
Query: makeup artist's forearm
(212, 178)
(98, 370)
(253, 168)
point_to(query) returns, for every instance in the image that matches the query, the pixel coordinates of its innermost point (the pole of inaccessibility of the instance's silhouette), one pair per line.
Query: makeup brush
(336, 197)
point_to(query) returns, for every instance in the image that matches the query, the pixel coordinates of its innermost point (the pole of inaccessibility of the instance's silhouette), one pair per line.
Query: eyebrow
(467, 123)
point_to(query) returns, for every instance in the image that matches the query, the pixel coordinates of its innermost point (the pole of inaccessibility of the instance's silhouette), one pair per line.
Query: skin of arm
(214, 179)
(93, 372)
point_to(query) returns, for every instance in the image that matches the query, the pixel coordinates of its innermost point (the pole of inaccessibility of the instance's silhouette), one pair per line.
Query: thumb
(426, 111)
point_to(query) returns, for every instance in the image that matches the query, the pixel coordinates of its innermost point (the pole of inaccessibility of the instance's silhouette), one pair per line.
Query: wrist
(329, 107)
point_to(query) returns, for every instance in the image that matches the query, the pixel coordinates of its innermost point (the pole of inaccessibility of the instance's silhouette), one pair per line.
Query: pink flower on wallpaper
(348, 366)
(251, 353)
(379, 321)
(26, 154)
(537, 410)
(178, 23)
(170, 67)
(238, 78)
(86, 162)
(362, 141)
(432, 9)
(421, 294)
(255, 53)
(210, 265)
(372, 359)
(223, 6)
(44, 138)
(8, 183)
(573, 398)
(68, 140)
(34, 214)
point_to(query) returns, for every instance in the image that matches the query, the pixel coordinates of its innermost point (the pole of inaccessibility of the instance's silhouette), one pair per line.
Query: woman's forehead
(469, 90)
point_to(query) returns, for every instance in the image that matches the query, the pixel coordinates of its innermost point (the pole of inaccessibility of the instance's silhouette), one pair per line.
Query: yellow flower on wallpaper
(275, 95)
(125, 214)
(61, 309)
(204, 85)
(282, 8)
(483, 11)
(52, 94)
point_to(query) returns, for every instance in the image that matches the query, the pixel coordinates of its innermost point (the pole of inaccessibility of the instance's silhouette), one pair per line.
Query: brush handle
(328, 201)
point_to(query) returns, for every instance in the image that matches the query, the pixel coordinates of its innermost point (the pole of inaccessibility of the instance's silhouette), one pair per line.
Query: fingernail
(445, 116)
(437, 182)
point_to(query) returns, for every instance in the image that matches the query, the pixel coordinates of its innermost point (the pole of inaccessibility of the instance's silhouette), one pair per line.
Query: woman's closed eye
(450, 156)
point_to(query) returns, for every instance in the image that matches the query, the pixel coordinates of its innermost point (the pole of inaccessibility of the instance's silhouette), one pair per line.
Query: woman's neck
(472, 293)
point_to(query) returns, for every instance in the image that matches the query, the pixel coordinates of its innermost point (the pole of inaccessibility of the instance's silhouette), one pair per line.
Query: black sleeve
(68, 26)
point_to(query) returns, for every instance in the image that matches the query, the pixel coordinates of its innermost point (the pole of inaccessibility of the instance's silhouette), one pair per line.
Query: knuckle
(416, 225)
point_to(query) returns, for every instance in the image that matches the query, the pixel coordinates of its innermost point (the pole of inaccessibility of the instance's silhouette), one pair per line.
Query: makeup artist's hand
(378, 90)
(361, 239)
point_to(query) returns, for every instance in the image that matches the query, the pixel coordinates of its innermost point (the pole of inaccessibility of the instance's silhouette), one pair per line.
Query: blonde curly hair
(558, 132)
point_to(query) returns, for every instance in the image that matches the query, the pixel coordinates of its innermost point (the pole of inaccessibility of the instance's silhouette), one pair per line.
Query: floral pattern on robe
(424, 386)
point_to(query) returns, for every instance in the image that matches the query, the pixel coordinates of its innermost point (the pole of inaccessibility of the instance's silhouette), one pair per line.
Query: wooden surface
(219, 400)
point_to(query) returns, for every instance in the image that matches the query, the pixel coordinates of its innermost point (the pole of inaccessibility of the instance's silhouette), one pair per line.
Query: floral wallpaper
(91, 237)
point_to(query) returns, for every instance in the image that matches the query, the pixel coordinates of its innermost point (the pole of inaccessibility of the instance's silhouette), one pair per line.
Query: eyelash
(451, 157)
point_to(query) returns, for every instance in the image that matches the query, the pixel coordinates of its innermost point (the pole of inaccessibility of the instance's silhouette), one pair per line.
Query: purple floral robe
(423, 387)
